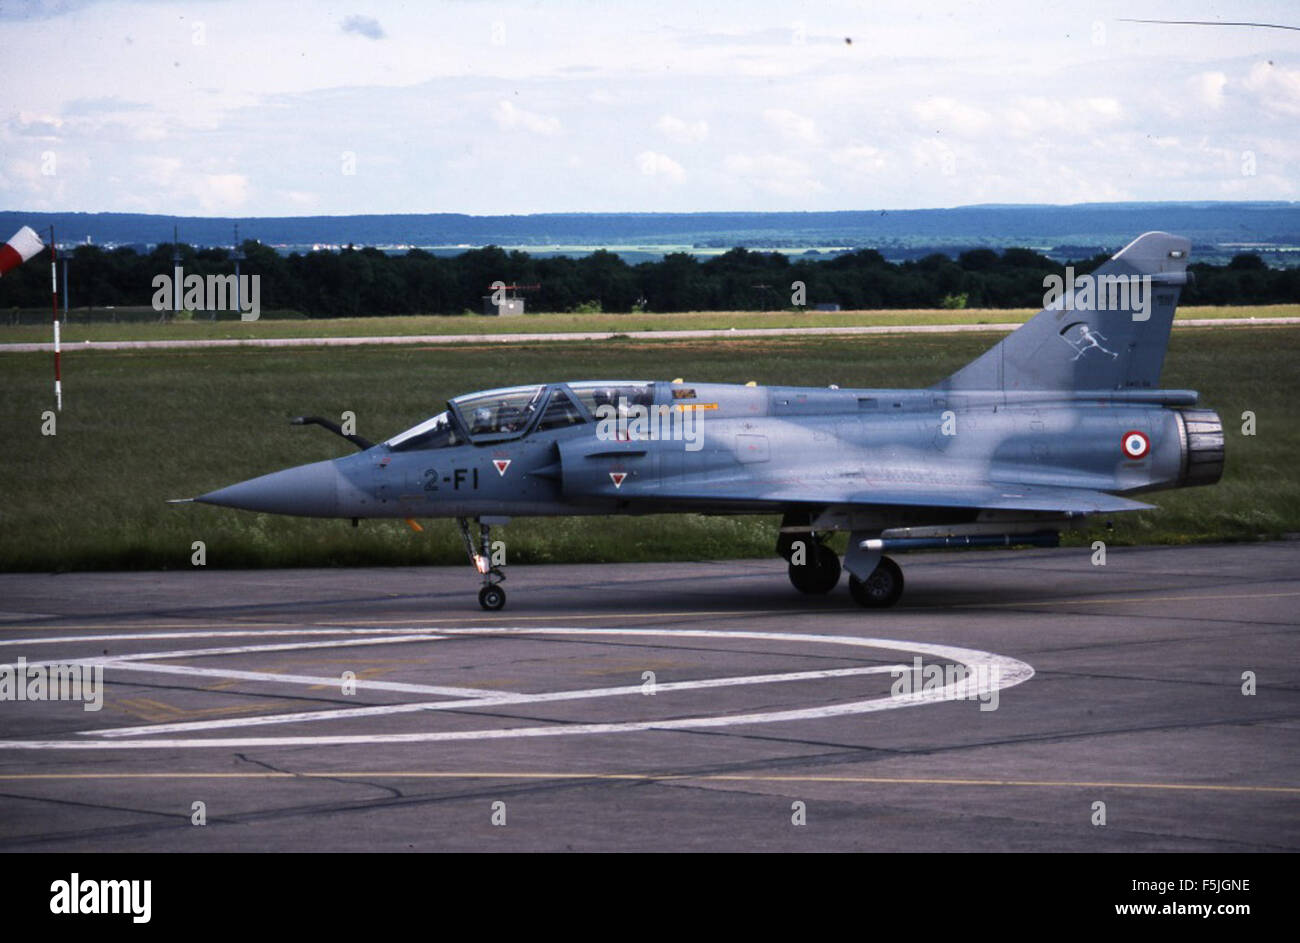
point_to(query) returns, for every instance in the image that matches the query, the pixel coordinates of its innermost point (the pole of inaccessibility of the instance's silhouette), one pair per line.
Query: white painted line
(216, 633)
(404, 639)
(476, 695)
(237, 650)
(988, 673)
(491, 701)
(142, 661)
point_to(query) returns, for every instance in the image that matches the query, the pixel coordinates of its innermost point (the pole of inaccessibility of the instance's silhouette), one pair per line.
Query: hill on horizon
(1083, 228)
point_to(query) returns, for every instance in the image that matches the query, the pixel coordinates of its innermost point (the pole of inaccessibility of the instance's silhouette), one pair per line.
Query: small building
(505, 307)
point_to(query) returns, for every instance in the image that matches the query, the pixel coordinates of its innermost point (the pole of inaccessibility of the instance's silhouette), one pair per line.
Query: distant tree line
(366, 282)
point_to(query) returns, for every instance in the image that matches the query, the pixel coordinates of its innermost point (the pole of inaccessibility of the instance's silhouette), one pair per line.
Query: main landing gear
(881, 589)
(814, 569)
(490, 596)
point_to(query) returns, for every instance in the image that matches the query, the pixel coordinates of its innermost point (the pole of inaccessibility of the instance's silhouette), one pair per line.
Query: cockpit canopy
(513, 412)
(498, 412)
(435, 433)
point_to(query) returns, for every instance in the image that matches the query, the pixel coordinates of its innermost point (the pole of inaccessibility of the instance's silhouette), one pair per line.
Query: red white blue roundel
(1136, 444)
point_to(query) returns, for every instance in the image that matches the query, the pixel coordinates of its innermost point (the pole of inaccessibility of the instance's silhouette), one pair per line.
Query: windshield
(499, 412)
(436, 433)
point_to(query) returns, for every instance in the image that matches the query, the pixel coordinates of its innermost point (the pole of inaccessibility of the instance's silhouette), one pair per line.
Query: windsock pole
(21, 246)
(54, 306)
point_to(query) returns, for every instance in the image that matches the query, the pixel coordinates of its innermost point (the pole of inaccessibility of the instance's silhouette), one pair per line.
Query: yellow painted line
(64, 626)
(610, 616)
(155, 711)
(661, 777)
(1098, 600)
(383, 622)
(573, 617)
(1046, 783)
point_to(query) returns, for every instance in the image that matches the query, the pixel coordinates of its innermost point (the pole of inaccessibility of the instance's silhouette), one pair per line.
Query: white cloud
(860, 158)
(774, 174)
(1208, 88)
(509, 116)
(1275, 88)
(1030, 115)
(681, 106)
(221, 193)
(682, 131)
(1104, 108)
(792, 126)
(1036, 115)
(160, 171)
(300, 198)
(36, 125)
(654, 164)
(952, 116)
(934, 158)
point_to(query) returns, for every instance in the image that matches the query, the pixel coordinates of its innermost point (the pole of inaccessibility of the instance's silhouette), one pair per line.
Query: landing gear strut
(490, 596)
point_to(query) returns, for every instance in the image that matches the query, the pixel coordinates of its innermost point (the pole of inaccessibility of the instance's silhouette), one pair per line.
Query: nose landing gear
(490, 596)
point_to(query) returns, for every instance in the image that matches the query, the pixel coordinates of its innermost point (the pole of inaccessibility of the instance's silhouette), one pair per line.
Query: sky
(272, 108)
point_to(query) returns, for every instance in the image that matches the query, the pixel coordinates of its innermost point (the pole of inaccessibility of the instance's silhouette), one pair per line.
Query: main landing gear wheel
(881, 589)
(819, 573)
(492, 597)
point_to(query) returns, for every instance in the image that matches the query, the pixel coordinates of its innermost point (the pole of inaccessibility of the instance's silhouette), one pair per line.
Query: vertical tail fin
(1104, 331)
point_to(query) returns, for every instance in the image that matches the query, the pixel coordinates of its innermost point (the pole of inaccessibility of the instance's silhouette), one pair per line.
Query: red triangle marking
(617, 478)
(502, 464)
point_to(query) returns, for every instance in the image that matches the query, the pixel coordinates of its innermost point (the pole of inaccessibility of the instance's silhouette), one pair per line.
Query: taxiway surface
(666, 707)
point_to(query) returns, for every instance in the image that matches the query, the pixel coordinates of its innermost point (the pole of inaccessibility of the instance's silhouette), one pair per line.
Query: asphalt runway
(1057, 705)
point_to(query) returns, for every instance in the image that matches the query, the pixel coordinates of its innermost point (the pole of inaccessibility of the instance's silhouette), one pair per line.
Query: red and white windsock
(24, 244)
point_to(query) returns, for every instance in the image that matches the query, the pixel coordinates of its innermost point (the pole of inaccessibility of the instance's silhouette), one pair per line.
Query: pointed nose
(308, 490)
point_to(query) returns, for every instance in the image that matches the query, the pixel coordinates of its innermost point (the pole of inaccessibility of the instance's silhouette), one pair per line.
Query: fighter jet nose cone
(308, 490)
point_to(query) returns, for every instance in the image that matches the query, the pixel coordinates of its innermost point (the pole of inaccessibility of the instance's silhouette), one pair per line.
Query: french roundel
(1136, 444)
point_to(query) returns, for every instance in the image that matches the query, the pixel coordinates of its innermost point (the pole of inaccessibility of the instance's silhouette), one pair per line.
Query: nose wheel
(490, 596)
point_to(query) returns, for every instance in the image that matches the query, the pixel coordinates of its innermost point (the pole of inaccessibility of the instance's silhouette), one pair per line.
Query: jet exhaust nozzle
(1201, 431)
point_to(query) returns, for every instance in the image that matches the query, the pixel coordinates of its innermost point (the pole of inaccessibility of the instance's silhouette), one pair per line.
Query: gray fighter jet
(1061, 420)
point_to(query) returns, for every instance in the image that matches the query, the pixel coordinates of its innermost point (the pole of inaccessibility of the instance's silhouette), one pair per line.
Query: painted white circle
(1136, 444)
(986, 673)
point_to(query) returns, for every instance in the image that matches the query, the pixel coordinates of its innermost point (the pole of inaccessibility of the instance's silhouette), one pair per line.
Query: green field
(202, 329)
(142, 426)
